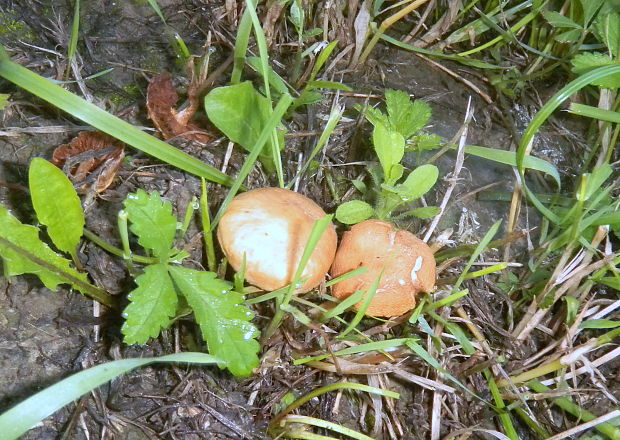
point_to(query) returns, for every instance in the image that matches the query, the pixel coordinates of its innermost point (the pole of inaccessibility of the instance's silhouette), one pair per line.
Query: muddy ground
(45, 336)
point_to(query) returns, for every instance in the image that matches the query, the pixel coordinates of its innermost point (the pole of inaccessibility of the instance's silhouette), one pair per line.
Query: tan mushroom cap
(408, 267)
(271, 226)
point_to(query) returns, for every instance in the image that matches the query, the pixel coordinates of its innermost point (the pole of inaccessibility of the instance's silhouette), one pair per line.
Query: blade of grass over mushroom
(25, 415)
(250, 160)
(346, 276)
(359, 315)
(315, 235)
(342, 307)
(479, 249)
(541, 117)
(104, 121)
(361, 348)
(304, 434)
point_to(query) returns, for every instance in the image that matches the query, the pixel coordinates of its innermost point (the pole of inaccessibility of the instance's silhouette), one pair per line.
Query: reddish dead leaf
(91, 157)
(161, 101)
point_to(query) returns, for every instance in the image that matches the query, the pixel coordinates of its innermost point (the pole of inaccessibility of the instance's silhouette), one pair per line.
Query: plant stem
(116, 251)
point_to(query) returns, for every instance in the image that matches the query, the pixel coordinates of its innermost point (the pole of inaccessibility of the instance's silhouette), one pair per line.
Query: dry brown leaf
(90, 157)
(161, 101)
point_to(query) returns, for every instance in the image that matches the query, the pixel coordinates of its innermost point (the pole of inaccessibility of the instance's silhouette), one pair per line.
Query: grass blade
(104, 121)
(22, 417)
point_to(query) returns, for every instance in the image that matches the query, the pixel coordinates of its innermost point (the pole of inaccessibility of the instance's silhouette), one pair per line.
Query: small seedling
(219, 310)
(394, 133)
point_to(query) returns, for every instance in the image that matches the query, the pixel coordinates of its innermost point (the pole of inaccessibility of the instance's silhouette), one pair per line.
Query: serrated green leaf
(406, 116)
(585, 62)
(390, 148)
(152, 221)
(57, 204)
(556, 19)
(37, 258)
(396, 172)
(240, 112)
(418, 182)
(375, 116)
(223, 319)
(153, 304)
(424, 141)
(608, 29)
(354, 212)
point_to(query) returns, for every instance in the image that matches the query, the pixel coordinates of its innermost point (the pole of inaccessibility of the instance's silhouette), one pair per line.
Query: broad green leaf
(23, 252)
(57, 204)
(405, 116)
(27, 414)
(599, 324)
(222, 316)
(556, 19)
(585, 62)
(418, 182)
(240, 112)
(307, 97)
(153, 304)
(152, 221)
(510, 158)
(296, 15)
(389, 146)
(333, 85)
(608, 28)
(424, 141)
(354, 212)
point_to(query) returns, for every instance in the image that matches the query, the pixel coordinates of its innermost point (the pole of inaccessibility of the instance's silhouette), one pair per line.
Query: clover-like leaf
(57, 204)
(153, 304)
(152, 221)
(23, 252)
(223, 319)
(354, 212)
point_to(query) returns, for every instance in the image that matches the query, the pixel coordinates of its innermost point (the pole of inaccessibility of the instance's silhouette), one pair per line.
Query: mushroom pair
(271, 226)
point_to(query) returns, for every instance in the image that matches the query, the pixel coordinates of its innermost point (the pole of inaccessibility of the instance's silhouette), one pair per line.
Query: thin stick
(460, 157)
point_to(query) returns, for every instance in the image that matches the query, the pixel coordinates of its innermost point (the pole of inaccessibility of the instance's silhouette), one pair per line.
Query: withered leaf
(92, 159)
(161, 101)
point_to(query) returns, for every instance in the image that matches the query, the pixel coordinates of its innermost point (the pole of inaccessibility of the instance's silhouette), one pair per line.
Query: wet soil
(45, 336)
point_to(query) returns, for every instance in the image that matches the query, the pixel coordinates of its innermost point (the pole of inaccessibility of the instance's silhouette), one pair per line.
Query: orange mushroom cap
(271, 226)
(407, 262)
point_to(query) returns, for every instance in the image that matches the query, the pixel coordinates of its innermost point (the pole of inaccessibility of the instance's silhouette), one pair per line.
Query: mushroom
(407, 262)
(271, 226)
